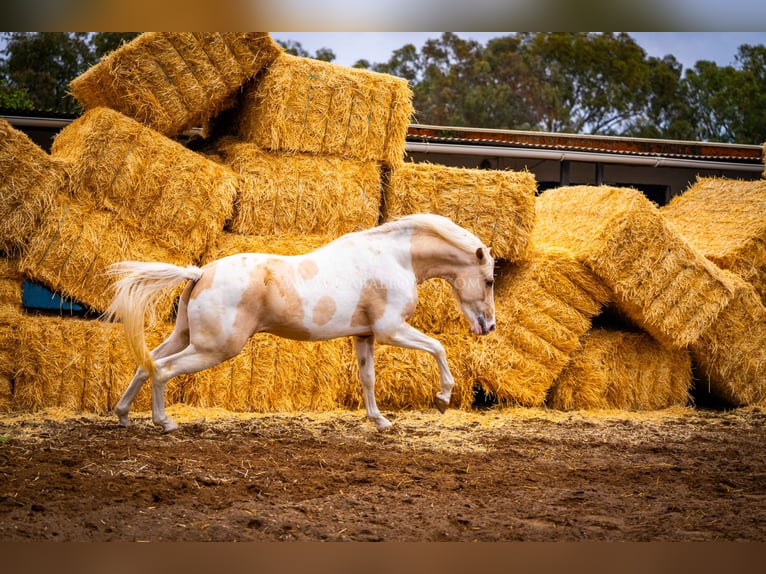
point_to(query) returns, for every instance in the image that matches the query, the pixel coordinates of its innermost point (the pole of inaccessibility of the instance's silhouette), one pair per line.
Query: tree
(711, 96)
(751, 95)
(667, 114)
(296, 49)
(105, 42)
(42, 65)
(586, 82)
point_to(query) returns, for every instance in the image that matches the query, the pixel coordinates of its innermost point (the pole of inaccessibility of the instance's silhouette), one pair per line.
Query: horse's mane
(437, 225)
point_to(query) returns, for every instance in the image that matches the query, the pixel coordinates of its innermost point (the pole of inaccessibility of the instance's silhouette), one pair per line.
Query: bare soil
(500, 474)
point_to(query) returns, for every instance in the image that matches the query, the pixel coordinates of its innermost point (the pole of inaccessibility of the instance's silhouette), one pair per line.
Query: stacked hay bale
(28, 179)
(618, 369)
(299, 194)
(725, 220)
(173, 81)
(544, 306)
(660, 282)
(10, 305)
(132, 194)
(305, 105)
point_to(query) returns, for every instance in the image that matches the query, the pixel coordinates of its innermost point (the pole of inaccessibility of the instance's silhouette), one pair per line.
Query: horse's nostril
(492, 327)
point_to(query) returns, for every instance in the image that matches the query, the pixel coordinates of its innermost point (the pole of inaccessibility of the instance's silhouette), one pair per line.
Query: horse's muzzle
(483, 325)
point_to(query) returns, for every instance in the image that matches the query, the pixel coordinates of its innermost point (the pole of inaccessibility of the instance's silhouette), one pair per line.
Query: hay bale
(173, 81)
(173, 194)
(614, 369)
(543, 306)
(9, 342)
(11, 280)
(297, 194)
(74, 245)
(76, 364)
(233, 243)
(725, 220)
(61, 363)
(498, 206)
(272, 374)
(306, 105)
(28, 176)
(658, 280)
(731, 354)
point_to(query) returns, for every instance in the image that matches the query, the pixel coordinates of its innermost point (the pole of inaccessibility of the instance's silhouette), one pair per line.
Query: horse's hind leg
(178, 340)
(185, 362)
(364, 356)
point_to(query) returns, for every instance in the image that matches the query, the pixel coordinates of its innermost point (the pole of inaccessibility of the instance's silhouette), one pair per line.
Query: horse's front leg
(410, 338)
(365, 347)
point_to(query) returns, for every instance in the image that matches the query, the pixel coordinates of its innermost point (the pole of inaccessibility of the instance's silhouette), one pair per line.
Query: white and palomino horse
(362, 285)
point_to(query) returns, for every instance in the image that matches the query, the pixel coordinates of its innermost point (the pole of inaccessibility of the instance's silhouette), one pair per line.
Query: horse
(361, 285)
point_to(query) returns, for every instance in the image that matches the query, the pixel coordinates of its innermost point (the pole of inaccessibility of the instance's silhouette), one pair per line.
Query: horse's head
(473, 285)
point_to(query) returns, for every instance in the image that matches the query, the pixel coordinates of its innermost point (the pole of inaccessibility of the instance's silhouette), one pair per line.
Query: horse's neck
(434, 257)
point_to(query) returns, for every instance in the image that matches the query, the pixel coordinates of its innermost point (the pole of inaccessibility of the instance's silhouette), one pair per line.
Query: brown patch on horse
(203, 283)
(324, 310)
(372, 303)
(307, 269)
(428, 255)
(271, 303)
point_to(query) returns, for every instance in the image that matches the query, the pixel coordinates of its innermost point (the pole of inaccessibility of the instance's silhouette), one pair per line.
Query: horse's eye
(489, 283)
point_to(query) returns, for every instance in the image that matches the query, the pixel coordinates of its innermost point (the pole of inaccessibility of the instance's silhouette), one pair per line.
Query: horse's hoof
(123, 421)
(169, 426)
(441, 404)
(383, 425)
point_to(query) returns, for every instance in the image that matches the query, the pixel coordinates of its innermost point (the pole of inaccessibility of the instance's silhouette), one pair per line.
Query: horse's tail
(136, 293)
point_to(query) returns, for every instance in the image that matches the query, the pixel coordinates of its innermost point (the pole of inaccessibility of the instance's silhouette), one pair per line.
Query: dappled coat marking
(362, 285)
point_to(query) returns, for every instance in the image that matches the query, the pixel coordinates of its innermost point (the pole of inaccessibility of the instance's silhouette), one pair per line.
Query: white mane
(439, 226)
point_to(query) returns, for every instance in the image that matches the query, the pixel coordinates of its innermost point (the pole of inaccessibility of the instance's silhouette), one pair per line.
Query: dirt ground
(499, 474)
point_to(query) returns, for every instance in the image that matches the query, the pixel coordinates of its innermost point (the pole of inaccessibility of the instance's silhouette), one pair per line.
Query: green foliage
(42, 64)
(296, 49)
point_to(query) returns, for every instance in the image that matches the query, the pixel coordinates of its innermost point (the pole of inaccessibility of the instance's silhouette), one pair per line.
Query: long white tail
(137, 292)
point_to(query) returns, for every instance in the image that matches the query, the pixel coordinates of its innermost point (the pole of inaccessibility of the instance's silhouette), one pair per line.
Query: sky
(377, 47)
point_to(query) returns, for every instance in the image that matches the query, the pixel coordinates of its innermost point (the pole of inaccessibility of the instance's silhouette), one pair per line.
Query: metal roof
(636, 147)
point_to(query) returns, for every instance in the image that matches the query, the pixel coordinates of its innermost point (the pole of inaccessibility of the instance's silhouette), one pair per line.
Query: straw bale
(725, 220)
(177, 196)
(11, 280)
(306, 105)
(233, 243)
(542, 306)
(731, 353)
(60, 362)
(10, 310)
(28, 176)
(275, 374)
(613, 369)
(9, 342)
(75, 244)
(173, 81)
(497, 205)
(658, 280)
(293, 193)
(75, 364)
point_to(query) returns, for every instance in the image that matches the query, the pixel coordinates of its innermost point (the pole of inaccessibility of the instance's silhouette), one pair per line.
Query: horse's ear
(480, 254)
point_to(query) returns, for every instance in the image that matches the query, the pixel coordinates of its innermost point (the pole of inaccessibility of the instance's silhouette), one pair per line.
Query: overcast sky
(376, 47)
